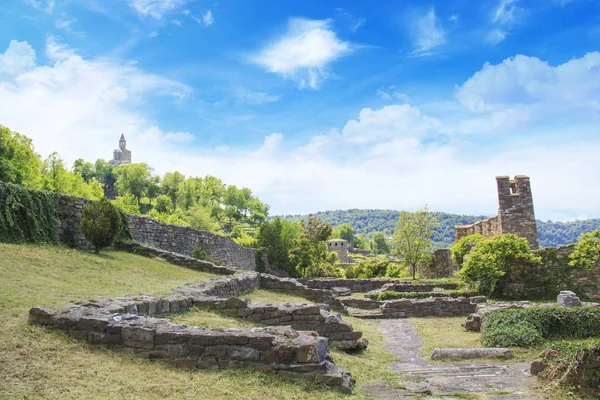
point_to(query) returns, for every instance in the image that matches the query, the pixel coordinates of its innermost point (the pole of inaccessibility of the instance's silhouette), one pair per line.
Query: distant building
(121, 155)
(340, 246)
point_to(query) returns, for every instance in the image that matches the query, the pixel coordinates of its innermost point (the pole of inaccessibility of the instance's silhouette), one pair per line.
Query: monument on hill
(515, 213)
(121, 155)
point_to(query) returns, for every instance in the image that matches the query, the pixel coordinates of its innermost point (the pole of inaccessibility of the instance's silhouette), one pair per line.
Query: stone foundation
(405, 308)
(367, 285)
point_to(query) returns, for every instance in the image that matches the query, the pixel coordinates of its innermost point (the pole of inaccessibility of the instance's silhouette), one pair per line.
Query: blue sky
(320, 105)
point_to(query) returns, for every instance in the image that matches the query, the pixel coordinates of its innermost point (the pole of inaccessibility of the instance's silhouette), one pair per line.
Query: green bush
(372, 268)
(586, 253)
(491, 260)
(548, 322)
(27, 215)
(522, 334)
(397, 270)
(100, 223)
(201, 254)
(390, 295)
(461, 248)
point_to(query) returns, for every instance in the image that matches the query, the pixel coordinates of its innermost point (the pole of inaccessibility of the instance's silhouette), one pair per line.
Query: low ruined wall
(368, 285)
(176, 258)
(439, 307)
(131, 324)
(293, 286)
(405, 308)
(70, 209)
(183, 239)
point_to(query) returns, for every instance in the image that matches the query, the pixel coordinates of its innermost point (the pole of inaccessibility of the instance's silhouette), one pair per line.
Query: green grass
(37, 363)
(210, 320)
(444, 332)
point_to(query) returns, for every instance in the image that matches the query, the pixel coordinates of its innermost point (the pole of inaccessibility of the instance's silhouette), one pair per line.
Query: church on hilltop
(121, 155)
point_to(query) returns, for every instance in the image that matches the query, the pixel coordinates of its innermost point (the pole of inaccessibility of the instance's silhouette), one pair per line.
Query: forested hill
(366, 222)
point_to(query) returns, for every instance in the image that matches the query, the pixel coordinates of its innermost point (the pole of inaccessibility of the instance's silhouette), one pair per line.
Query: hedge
(390, 295)
(527, 327)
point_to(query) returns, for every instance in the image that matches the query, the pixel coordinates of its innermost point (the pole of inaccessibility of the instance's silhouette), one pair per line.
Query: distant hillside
(366, 222)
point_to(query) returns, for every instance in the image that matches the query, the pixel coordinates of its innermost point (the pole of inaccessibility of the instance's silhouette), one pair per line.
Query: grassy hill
(37, 363)
(366, 222)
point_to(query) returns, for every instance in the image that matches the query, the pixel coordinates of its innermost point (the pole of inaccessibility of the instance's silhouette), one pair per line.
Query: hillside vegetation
(367, 222)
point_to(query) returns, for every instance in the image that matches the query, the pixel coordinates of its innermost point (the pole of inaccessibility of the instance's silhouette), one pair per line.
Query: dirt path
(418, 378)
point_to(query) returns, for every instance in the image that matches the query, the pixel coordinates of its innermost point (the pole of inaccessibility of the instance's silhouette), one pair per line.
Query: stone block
(243, 353)
(139, 337)
(567, 298)
(41, 316)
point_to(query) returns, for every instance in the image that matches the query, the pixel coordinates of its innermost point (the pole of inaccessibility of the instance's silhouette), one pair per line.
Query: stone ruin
(293, 340)
(515, 213)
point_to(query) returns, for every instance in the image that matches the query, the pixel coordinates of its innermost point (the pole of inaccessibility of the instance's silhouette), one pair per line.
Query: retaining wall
(367, 285)
(405, 308)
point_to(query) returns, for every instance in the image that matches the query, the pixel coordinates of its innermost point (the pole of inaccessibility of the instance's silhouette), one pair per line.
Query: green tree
(133, 179)
(461, 248)
(379, 244)
(586, 253)
(492, 259)
(163, 204)
(346, 232)
(279, 237)
(153, 188)
(316, 233)
(199, 218)
(360, 242)
(84, 169)
(412, 238)
(170, 184)
(57, 178)
(100, 223)
(18, 162)
(105, 174)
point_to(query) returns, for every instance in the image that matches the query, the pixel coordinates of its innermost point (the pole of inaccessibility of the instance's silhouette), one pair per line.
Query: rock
(478, 299)
(537, 367)
(567, 298)
(470, 354)
(473, 323)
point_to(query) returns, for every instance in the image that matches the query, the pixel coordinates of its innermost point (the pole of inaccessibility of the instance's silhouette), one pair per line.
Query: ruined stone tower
(515, 213)
(121, 155)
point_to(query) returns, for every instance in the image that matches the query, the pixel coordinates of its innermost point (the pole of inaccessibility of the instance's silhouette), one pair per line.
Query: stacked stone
(70, 211)
(362, 303)
(183, 240)
(439, 307)
(441, 266)
(266, 349)
(176, 258)
(294, 286)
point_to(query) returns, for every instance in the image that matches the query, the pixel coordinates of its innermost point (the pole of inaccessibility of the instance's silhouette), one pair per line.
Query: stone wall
(368, 285)
(131, 324)
(184, 240)
(405, 308)
(178, 239)
(515, 213)
(441, 265)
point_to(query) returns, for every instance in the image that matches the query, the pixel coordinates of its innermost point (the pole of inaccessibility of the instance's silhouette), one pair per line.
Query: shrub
(374, 268)
(201, 254)
(390, 295)
(586, 253)
(491, 259)
(100, 223)
(461, 248)
(548, 322)
(397, 270)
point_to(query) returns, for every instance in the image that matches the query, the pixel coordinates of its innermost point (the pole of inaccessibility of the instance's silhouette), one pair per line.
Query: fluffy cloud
(18, 58)
(155, 8)
(207, 19)
(428, 33)
(528, 82)
(304, 52)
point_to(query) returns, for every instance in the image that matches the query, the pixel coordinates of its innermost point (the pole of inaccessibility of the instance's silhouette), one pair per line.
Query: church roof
(122, 137)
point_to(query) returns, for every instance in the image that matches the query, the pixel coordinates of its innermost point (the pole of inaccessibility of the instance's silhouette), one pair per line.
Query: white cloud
(428, 33)
(390, 93)
(176, 22)
(179, 137)
(255, 97)
(155, 8)
(46, 6)
(57, 51)
(271, 143)
(18, 58)
(153, 34)
(506, 12)
(303, 53)
(496, 36)
(208, 19)
(523, 81)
